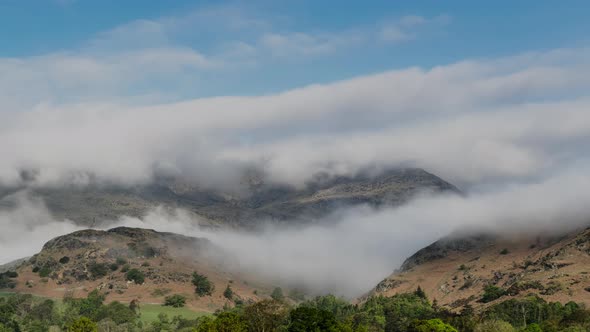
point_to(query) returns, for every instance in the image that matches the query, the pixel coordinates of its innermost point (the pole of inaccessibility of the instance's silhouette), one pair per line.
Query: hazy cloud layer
(472, 122)
(360, 246)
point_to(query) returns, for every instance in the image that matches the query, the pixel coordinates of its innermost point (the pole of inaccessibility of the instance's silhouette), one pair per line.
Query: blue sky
(323, 41)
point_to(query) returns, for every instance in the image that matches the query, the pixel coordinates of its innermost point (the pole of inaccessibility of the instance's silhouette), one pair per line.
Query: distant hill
(80, 262)
(456, 270)
(257, 201)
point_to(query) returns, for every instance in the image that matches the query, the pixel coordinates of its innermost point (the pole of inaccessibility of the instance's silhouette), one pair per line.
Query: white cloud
(527, 114)
(408, 27)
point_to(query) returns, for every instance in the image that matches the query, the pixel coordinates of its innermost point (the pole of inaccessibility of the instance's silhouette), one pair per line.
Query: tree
(494, 326)
(431, 325)
(202, 285)
(230, 322)
(533, 328)
(83, 324)
(228, 293)
(136, 276)
(277, 294)
(419, 292)
(304, 319)
(266, 315)
(176, 301)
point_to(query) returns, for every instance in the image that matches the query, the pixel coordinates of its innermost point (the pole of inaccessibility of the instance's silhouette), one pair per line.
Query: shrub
(114, 266)
(431, 325)
(277, 294)
(136, 276)
(161, 291)
(228, 293)
(504, 251)
(98, 270)
(176, 301)
(492, 293)
(64, 260)
(121, 261)
(83, 324)
(494, 326)
(44, 272)
(202, 285)
(125, 268)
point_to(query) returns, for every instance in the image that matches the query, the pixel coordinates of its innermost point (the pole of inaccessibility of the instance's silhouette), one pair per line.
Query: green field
(148, 312)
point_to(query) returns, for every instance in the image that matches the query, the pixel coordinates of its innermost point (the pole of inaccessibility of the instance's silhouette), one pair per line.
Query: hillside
(455, 270)
(78, 263)
(255, 201)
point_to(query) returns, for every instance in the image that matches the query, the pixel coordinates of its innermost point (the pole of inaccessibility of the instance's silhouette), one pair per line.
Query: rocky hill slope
(256, 201)
(484, 269)
(78, 263)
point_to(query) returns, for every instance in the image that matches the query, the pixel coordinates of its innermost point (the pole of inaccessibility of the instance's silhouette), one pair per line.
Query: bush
(121, 261)
(83, 324)
(431, 325)
(228, 293)
(176, 301)
(64, 260)
(504, 251)
(44, 272)
(491, 293)
(98, 270)
(494, 326)
(114, 266)
(202, 285)
(277, 294)
(125, 268)
(136, 276)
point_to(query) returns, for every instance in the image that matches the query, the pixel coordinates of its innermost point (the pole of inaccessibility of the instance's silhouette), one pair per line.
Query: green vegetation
(136, 276)
(176, 301)
(203, 286)
(98, 270)
(403, 312)
(277, 294)
(504, 251)
(491, 293)
(6, 280)
(64, 260)
(44, 271)
(228, 293)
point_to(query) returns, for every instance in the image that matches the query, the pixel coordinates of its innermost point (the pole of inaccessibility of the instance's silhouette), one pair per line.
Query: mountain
(459, 270)
(256, 201)
(80, 262)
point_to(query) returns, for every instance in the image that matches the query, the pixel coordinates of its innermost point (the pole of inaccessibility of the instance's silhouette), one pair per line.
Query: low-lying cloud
(360, 246)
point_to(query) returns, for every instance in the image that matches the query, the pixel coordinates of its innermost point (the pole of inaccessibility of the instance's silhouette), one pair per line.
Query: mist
(511, 132)
(357, 247)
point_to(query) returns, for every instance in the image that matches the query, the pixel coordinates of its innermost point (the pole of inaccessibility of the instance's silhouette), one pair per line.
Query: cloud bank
(472, 123)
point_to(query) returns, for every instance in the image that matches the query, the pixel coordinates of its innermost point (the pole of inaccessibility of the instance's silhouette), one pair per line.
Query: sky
(493, 99)
(260, 47)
